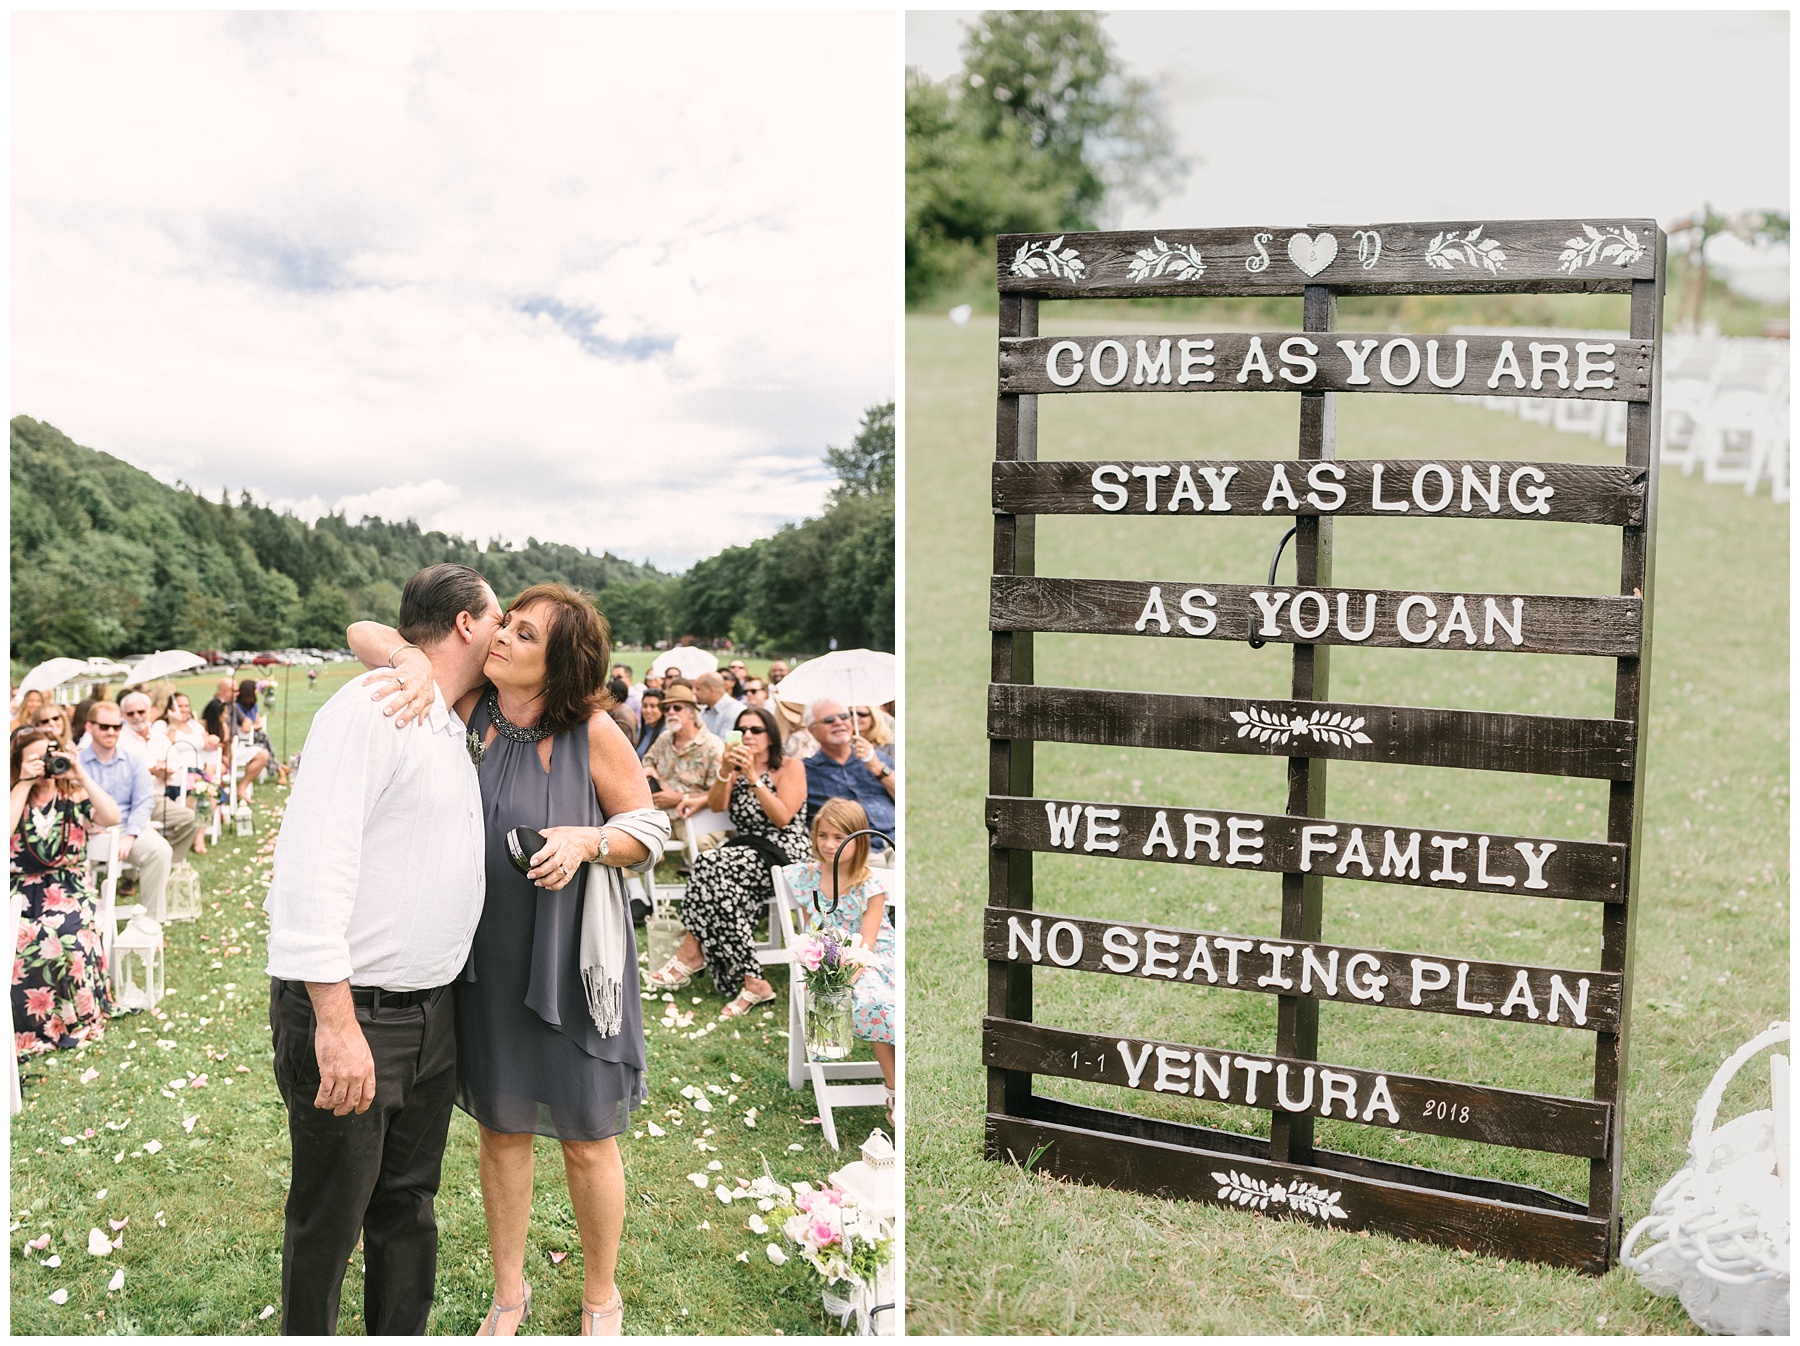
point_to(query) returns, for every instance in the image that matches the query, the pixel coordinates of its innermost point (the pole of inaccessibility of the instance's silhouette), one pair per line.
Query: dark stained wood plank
(1434, 620)
(1273, 1083)
(1312, 1194)
(1485, 862)
(1547, 745)
(1451, 257)
(1551, 997)
(1591, 369)
(1261, 488)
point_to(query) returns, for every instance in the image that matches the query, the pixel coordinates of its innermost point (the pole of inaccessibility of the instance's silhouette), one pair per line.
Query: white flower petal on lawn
(654, 1129)
(117, 1282)
(714, 1166)
(100, 1195)
(151, 1147)
(698, 1179)
(98, 1244)
(54, 1260)
(757, 1225)
(795, 1149)
(59, 1296)
(187, 1123)
(267, 1313)
(117, 1225)
(744, 1256)
(723, 1193)
(776, 1255)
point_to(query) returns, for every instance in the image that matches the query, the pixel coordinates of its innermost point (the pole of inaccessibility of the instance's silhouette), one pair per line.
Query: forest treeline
(108, 560)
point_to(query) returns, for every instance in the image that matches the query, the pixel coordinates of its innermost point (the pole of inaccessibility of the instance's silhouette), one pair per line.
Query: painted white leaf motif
(1307, 1198)
(1449, 247)
(1274, 726)
(1052, 259)
(1181, 262)
(1618, 245)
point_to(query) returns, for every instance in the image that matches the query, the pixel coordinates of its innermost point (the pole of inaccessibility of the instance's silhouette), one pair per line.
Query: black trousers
(375, 1174)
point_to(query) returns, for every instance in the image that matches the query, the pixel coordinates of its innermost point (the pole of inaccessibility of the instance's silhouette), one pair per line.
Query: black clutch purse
(521, 844)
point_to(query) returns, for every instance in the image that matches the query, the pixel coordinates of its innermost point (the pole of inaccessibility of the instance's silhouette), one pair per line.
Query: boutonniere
(476, 748)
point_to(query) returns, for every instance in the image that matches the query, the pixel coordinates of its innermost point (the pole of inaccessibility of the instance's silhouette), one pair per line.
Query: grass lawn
(201, 1171)
(994, 1249)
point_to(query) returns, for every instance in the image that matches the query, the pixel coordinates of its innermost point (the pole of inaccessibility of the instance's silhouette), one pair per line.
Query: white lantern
(182, 898)
(242, 820)
(137, 965)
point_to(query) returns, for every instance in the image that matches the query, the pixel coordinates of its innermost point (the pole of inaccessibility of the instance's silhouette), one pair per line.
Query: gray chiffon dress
(529, 1056)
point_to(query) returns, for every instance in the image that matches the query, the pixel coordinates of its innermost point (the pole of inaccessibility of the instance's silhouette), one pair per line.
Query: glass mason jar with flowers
(829, 964)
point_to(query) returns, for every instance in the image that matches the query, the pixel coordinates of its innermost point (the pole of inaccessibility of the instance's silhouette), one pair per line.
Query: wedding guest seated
(849, 901)
(247, 721)
(127, 782)
(684, 760)
(177, 822)
(26, 711)
(55, 718)
(650, 720)
(735, 674)
(755, 693)
(873, 724)
(59, 985)
(848, 766)
(730, 887)
(178, 726)
(622, 713)
(777, 671)
(718, 708)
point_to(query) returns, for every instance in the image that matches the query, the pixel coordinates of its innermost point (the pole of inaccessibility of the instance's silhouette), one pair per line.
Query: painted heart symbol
(1312, 255)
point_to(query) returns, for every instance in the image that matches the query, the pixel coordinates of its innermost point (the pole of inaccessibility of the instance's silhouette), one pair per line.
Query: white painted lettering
(1016, 935)
(1318, 628)
(1055, 375)
(1336, 1085)
(1418, 488)
(1278, 484)
(1074, 943)
(1534, 861)
(1294, 351)
(1246, 841)
(1153, 611)
(1559, 995)
(1537, 498)
(1206, 1073)
(1160, 835)
(1481, 869)
(1310, 966)
(1490, 493)
(1120, 369)
(1281, 1090)
(1171, 1073)
(1102, 830)
(1462, 993)
(1431, 369)
(1207, 621)
(1373, 979)
(1152, 369)
(1520, 995)
(1549, 358)
(1449, 846)
(1407, 605)
(1315, 840)
(1458, 620)
(1440, 977)
(1506, 364)
(1202, 829)
(1134, 1070)
(1358, 357)
(1201, 961)
(1232, 947)
(1159, 953)
(1387, 362)
(1256, 361)
(1515, 629)
(1375, 501)
(1151, 473)
(1381, 1100)
(1270, 606)
(1219, 478)
(1194, 361)
(1185, 489)
(1063, 823)
(1355, 853)
(1121, 949)
(1276, 953)
(1252, 1068)
(1108, 482)
(1586, 368)
(1343, 619)
(1393, 856)
(1325, 477)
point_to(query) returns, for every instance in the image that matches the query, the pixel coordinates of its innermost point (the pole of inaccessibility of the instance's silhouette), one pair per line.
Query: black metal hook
(1256, 642)
(866, 832)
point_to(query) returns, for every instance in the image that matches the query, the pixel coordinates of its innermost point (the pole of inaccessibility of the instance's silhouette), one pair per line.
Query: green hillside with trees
(108, 560)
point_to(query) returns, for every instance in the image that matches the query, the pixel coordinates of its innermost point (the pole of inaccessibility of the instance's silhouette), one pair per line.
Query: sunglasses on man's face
(830, 719)
(105, 724)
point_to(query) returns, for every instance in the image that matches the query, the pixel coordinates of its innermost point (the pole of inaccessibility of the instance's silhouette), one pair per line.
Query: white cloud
(608, 279)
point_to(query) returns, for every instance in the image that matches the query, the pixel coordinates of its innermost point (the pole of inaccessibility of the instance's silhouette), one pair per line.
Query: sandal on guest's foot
(744, 1003)
(606, 1322)
(672, 976)
(490, 1325)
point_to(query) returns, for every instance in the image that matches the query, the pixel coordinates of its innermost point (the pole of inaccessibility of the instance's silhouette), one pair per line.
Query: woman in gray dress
(550, 1035)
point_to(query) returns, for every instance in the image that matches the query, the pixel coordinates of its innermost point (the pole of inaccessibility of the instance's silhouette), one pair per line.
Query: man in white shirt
(719, 710)
(179, 823)
(378, 885)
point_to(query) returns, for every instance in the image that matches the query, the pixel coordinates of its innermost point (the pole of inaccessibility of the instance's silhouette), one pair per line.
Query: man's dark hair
(619, 690)
(432, 599)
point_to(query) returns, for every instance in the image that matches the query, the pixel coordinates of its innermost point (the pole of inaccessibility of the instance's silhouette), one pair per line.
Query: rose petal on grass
(556, 1258)
(37, 1245)
(701, 1105)
(723, 1193)
(267, 1313)
(89, 1075)
(151, 1147)
(706, 1224)
(736, 1078)
(757, 1225)
(100, 1195)
(698, 1179)
(795, 1149)
(98, 1244)
(118, 1224)
(119, 1158)
(59, 1296)
(187, 1123)
(54, 1260)
(654, 1129)
(714, 1166)
(69, 1140)
(776, 1255)
(117, 1282)
(744, 1256)
(243, 1070)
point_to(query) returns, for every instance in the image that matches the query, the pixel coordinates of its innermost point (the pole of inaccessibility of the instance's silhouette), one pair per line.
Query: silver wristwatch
(605, 846)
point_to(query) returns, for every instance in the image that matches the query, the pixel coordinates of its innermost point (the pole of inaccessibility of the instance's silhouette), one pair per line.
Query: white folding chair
(104, 864)
(183, 757)
(212, 764)
(824, 1075)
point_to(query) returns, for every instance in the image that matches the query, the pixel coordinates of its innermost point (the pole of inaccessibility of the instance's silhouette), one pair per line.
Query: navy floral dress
(59, 986)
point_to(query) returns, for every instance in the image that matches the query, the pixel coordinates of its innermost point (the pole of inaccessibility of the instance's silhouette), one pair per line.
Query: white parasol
(162, 664)
(852, 677)
(53, 673)
(689, 660)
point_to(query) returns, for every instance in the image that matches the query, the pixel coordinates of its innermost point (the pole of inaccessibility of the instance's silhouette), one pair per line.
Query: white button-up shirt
(380, 868)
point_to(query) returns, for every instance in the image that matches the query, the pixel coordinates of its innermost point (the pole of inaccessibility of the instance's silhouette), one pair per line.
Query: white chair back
(183, 758)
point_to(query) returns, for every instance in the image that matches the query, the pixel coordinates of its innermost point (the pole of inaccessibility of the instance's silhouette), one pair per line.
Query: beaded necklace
(518, 733)
(55, 858)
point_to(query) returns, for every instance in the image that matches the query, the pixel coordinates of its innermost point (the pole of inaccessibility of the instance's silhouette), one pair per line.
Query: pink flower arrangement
(830, 963)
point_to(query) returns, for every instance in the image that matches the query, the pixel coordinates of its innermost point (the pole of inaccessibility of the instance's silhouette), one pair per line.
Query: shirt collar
(441, 718)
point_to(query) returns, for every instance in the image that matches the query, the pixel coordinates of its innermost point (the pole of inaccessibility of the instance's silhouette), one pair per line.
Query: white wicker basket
(1718, 1231)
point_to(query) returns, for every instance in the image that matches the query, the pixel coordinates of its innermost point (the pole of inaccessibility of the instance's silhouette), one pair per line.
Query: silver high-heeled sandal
(593, 1321)
(490, 1324)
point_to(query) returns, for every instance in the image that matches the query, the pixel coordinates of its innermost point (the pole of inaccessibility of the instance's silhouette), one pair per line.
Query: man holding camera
(125, 777)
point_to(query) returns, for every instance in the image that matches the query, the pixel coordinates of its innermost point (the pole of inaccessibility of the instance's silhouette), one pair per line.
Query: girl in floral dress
(860, 909)
(59, 989)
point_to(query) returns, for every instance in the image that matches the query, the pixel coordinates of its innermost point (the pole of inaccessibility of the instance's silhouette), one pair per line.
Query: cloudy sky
(607, 279)
(1426, 114)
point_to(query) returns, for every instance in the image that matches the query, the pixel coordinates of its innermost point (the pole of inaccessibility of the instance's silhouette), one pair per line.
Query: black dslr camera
(56, 764)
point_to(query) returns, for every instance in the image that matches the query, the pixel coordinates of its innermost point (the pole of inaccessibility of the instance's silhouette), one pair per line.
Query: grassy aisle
(992, 1249)
(172, 1122)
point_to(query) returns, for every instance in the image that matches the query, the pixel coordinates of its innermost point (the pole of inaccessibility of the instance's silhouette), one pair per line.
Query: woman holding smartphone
(730, 887)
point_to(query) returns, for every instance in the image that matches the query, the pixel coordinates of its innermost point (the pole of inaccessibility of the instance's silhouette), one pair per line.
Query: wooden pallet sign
(1284, 1174)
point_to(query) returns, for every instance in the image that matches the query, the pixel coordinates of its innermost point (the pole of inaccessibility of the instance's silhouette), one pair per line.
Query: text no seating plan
(1285, 1174)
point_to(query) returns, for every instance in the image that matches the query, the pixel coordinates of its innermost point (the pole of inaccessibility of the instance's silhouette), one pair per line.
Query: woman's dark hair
(650, 694)
(246, 696)
(577, 654)
(78, 717)
(618, 690)
(773, 730)
(23, 737)
(435, 597)
(213, 717)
